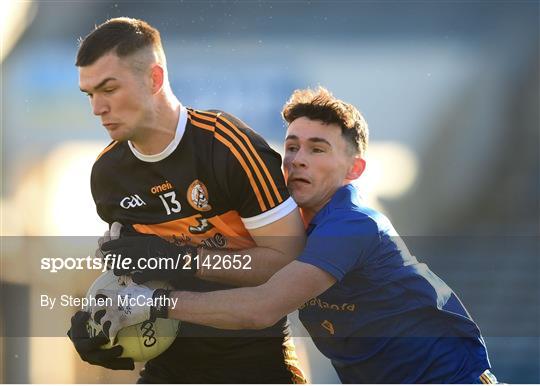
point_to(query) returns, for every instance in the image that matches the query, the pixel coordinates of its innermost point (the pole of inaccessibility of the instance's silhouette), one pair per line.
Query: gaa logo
(132, 202)
(148, 332)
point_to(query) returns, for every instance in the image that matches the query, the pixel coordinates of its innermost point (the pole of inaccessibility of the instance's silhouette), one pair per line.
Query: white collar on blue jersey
(180, 129)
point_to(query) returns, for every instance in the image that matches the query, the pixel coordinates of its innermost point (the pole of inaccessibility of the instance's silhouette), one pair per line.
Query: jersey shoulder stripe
(245, 147)
(201, 120)
(262, 165)
(242, 148)
(196, 119)
(109, 147)
(229, 133)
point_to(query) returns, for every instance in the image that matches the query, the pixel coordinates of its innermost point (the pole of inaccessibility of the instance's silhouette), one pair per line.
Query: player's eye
(291, 148)
(318, 150)
(108, 90)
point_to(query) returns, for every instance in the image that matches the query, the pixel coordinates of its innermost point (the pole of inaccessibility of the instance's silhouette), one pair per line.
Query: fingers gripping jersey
(217, 179)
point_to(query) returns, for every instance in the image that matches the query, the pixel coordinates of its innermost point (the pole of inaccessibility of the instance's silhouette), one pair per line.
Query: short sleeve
(252, 174)
(339, 244)
(101, 178)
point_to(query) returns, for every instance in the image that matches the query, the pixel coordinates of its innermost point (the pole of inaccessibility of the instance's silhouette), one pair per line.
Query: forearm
(277, 244)
(235, 309)
(253, 307)
(248, 267)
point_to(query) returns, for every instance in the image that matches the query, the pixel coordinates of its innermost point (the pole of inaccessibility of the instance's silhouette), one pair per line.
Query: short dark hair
(124, 35)
(321, 105)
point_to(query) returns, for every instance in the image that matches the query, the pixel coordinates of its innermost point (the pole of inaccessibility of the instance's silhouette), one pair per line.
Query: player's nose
(99, 106)
(298, 159)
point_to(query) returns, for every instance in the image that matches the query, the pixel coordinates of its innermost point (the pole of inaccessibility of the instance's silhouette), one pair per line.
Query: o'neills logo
(161, 187)
(197, 196)
(317, 302)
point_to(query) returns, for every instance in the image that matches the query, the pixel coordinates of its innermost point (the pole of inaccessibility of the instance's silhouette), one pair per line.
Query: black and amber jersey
(213, 182)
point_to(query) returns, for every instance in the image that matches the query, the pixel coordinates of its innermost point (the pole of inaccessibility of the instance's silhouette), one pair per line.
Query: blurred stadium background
(450, 91)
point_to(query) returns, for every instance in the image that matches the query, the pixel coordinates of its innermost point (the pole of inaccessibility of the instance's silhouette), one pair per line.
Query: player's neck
(160, 130)
(307, 215)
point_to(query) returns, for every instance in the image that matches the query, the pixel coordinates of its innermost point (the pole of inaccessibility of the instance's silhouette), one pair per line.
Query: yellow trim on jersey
(250, 160)
(246, 169)
(107, 149)
(238, 156)
(263, 165)
(487, 378)
(256, 166)
(235, 138)
(202, 125)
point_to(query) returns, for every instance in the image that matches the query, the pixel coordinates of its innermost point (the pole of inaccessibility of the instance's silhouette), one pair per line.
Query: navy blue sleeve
(340, 244)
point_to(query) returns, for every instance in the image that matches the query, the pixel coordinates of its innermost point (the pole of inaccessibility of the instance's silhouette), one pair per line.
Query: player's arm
(278, 244)
(235, 309)
(253, 307)
(249, 174)
(273, 252)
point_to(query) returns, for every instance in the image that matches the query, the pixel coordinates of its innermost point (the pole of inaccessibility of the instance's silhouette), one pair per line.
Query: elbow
(260, 320)
(262, 311)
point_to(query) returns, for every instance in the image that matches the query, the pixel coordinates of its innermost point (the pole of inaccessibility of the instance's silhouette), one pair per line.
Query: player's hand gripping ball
(142, 341)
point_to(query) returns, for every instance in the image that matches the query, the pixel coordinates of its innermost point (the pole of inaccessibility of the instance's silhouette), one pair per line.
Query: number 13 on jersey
(171, 204)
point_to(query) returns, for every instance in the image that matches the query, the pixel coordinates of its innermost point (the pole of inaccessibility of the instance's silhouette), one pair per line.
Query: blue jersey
(388, 318)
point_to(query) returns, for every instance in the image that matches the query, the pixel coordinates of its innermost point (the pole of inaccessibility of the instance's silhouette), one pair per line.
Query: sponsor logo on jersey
(317, 302)
(197, 196)
(328, 326)
(132, 201)
(161, 188)
(202, 227)
(217, 241)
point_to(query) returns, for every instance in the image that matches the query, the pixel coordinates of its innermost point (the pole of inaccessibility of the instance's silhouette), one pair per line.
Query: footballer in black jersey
(200, 178)
(217, 177)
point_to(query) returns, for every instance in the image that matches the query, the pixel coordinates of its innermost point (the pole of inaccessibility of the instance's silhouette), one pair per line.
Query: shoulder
(202, 119)
(104, 169)
(111, 153)
(226, 127)
(243, 131)
(353, 220)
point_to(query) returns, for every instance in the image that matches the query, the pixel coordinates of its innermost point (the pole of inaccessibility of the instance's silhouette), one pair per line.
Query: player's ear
(357, 168)
(158, 77)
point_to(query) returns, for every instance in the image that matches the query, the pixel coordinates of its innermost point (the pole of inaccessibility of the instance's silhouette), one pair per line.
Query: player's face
(118, 95)
(316, 162)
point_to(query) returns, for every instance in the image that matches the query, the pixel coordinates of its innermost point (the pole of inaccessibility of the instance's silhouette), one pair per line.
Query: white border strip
(180, 129)
(271, 215)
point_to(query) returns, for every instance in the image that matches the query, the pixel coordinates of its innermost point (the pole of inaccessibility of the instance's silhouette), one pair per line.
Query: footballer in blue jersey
(388, 318)
(378, 314)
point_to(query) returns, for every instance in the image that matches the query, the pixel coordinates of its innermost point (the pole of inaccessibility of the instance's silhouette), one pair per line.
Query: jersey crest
(197, 196)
